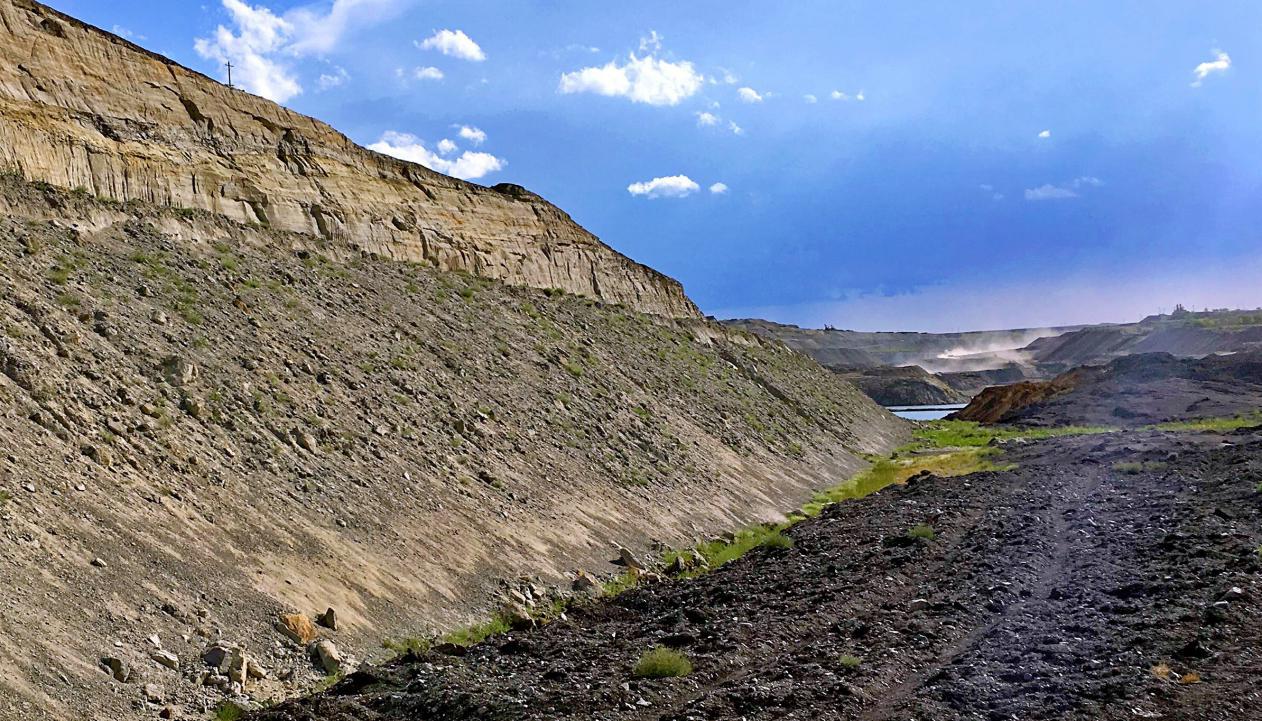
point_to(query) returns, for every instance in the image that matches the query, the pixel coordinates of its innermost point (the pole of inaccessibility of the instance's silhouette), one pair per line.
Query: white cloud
(648, 80)
(1220, 64)
(749, 95)
(428, 73)
(336, 79)
(318, 32)
(705, 119)
(674, 186)
(454, 43)
(736, 129)
(468, 166)
(260, 34)
(810, 99)
(263, 42)
(1064, 191)
(718, 189)
(1049, 192)
(1045, 134)
(123, 32)
(838, 95)
(447, 146)
(473, 135)
(860, 96)
(651, 43)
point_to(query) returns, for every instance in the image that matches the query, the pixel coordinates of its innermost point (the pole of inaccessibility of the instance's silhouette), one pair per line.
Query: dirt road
(1079, 586)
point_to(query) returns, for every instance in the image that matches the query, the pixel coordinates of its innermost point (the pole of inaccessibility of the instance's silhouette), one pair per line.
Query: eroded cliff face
(81, 108)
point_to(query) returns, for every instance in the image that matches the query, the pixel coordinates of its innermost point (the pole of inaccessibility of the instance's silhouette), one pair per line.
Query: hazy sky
(873, 165)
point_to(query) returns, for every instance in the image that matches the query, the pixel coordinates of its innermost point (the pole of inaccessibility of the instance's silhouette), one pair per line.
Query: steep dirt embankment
(1185, 334)
(203, 427)
(1129, 391)
(81, 108)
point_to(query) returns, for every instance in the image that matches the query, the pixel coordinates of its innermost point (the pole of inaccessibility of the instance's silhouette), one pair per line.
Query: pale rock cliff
(81, 108)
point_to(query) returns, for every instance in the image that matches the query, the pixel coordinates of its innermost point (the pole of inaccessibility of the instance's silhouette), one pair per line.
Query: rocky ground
(205, 425)
(1106, 577)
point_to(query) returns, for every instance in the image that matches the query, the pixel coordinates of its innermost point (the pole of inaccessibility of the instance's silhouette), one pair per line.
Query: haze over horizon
(1009, 165)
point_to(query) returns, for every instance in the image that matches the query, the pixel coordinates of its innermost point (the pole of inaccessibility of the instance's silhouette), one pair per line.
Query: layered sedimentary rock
(81, 108)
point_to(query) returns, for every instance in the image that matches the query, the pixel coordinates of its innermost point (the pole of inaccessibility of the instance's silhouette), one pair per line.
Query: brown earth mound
(1130, 391)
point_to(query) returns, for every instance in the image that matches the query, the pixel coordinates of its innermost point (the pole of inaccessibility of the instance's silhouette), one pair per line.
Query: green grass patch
(968, 434)
(922, 532)
(228, 711)
(5, 497)
(662, 662)
(404, 646)
(1210, 424)
(478, 632)
(849, 662)
(1135, 468)
(888, 471)
(778, 541)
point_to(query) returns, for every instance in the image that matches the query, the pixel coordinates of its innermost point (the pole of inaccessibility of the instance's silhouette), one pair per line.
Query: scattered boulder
(327, 656)
(586, 584)
(178, 371)
(297, 627)
(98, 563)
(328, 619)
(627, 559)
(216, 656)
(153, 693)
(116, 668)
(167, 659)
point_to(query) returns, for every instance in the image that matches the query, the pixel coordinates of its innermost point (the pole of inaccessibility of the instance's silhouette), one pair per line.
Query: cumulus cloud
(648, 80)
(705, 119)
(1220, 64)
(644, 78)
(810, 98)
(1045, 134)
(1049, 192)
(1064, 191)
(468, 165)
(428, 73)
(736, 129)
(261, 44)
(447, 146)
(718, 189)
(473, 135)
(453, 43)
(674, 186)
(335, 79)
(749, 95)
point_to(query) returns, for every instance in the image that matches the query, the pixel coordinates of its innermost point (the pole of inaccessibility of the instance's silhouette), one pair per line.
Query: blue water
(924, 413)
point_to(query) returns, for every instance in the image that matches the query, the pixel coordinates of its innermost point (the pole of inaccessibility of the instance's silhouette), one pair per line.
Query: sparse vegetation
(968, 434)
(5, 497)
(922, 533)
(777, 540)
(850, 663)
(662, 662)
(478, 633)
(1210, 424)
(228, 711)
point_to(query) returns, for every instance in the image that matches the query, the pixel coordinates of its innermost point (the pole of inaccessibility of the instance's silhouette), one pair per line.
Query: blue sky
(916, 165)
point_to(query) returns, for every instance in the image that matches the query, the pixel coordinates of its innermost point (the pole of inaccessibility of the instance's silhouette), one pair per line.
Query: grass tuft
(849, 662)
(662, 662)
(228, 711)
(777, 541)
(922, 532)
(478, 633)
